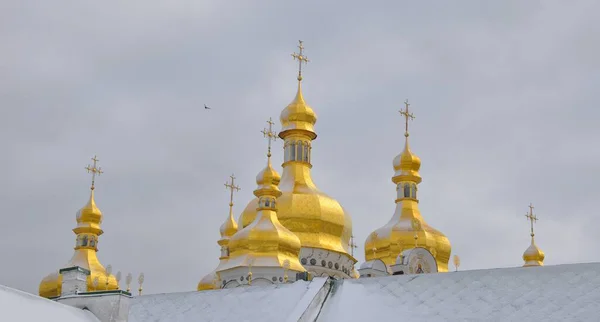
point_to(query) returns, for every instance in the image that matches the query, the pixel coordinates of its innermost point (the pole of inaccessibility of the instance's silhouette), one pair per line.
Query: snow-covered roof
(278, 303)
(552, 293)
(16, 305)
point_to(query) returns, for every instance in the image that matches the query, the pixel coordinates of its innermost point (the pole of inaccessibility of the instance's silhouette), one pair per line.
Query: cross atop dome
(94, 170)
(301, 59)
(407, 115)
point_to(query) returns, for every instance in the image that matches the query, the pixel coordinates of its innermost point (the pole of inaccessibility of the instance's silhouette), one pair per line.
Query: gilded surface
(88, 222)
(51, 285)
(533, 256)
(230, 226)
(317, 219)
(265, 241)
(249, 213)
(398, 235)
(89, 218)
(387, 242)
(208, 282)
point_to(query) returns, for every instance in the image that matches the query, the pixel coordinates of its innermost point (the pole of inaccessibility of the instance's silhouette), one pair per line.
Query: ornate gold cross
(407, 115)
(232, 187)
(94, 170)
(301, 59)
(531, 217)
(269, 134)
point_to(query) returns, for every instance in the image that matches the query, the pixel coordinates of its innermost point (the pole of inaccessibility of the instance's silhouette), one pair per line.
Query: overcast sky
(505, 96)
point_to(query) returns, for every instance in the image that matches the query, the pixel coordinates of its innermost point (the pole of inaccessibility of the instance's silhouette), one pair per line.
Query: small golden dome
(387, 242)
(229, 227)
(407, 165)
(249, 213)
(533, 256)
(208, 282)
(51, 285)
(266, 237)
(265, 176)
(268, 179)
(298, 116)
(90, 215)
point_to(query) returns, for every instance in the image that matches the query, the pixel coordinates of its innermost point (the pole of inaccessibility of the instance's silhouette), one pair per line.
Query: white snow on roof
(551, 293)
(278, 303)
(16, 305)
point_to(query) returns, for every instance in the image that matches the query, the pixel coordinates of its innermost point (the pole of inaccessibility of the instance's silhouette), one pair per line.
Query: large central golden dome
(316, 218)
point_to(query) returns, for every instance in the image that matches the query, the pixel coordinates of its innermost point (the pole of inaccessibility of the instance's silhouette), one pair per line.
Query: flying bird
(206, 107)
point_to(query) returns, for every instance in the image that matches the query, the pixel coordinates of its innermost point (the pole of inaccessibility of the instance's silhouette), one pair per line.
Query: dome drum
(322, 262)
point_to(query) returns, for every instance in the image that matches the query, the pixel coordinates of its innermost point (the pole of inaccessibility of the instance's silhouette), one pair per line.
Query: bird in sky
(206, 107)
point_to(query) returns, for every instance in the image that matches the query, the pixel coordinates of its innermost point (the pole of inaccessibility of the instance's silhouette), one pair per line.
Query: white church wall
(107, 306)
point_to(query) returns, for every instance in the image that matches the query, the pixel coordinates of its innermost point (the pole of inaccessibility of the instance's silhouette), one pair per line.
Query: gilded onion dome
(249, 213)
(228, 228)
(88, 230)
(407, 228)
(265, 242)
(533, 256)
(317, 219)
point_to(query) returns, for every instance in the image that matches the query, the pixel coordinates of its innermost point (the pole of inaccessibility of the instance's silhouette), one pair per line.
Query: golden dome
(268, 178)
(266, 240)
(298, 116)
(208, 282)
(399, 233)
(316, 218)
(249, 213)
(88, 230)
(267, 174)
(407, 165)
(51, 285)
(90, 216)
(229, 227)
(533, 256)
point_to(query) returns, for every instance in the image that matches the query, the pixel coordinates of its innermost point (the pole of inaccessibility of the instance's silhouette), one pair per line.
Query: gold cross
(301, 59)
(94, 170)
(531, 217)
(269, 134)
(231, 186)
(407, 115)
(352, 245)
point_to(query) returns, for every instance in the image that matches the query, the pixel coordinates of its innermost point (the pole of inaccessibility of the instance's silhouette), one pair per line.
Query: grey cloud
(504, 96)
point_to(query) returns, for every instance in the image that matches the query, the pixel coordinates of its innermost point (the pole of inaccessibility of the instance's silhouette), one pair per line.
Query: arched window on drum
(306, 155)
(299, 150)
(292, 151)
(286, 151)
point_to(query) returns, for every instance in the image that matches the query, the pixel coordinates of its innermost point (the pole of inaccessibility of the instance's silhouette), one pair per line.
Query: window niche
(306, 156)
(292, 151)
(299, 148)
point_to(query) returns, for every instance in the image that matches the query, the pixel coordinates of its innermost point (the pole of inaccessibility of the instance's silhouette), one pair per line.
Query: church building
(290, 258)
